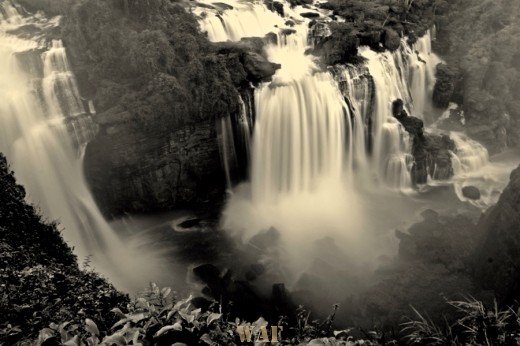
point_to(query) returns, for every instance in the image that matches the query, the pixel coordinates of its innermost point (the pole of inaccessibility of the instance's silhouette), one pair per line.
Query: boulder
(275, 6)
(471, 192)
(391, 39)
(310, 15)
(258, 68)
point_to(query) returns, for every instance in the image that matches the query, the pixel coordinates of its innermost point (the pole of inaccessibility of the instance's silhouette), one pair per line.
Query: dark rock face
(130, 170)
(246, 55)
(259, 68)
(434, 257)
(310, 14)
(391, 39)
(275, 6)
(497, 259)
(471, 192)
(340, 46)
(430, 151)
(448, 81)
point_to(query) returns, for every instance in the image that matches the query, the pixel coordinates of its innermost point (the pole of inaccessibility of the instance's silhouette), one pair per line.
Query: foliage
(157, 318)
(40, 279)
(163, 70)
(403, 15)
(477, 325)
(483, 39)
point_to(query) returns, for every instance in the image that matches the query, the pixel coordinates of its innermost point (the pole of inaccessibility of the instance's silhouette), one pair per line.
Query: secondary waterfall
(43, 125)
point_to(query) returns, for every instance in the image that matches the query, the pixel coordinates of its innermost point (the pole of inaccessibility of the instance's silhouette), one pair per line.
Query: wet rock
(471, 192)
(275, 6)
(391, 39)
(259, 68)
(264, 240)
(222, 6)
(310, 15)
(288, 31)
(271, 38)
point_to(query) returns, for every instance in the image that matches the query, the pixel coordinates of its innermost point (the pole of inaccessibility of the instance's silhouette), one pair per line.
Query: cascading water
(43, 123)
(324, 143)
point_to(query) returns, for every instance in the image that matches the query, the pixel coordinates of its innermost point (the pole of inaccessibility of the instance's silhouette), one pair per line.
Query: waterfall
(43, 128)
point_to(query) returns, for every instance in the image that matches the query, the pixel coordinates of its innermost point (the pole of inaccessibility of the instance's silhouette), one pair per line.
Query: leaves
(91, 327)
(213, 317)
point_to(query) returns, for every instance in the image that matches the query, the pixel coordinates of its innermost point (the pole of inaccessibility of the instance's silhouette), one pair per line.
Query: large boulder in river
(497, 259)
(471, 192)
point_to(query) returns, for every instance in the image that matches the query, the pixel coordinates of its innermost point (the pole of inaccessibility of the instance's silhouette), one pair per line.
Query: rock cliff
(131, 170)
(497, 258)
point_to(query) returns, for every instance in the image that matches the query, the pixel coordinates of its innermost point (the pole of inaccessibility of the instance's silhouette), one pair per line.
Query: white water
(43, 125)
(321, 166)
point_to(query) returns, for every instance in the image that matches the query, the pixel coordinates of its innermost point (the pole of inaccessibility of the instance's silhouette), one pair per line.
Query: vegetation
(149, 58)
(482, 38)
(40, 280)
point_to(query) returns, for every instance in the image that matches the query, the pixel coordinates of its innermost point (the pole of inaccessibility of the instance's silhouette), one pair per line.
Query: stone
(264, 240)
(310, 15)
(391, 39)
(471, 192)
(258, 68)
(275, 6)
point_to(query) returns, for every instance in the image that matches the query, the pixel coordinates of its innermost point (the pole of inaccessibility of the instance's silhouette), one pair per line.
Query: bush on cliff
(40, 281)
(149, 58)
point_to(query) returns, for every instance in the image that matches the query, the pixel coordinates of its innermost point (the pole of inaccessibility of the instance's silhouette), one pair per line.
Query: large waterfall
(43, 126)
(327, 154)
(304, 131)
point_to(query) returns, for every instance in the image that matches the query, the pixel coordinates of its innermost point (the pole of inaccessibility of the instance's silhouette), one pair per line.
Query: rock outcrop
(132, 171)
(430, 151)
(497, 258)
